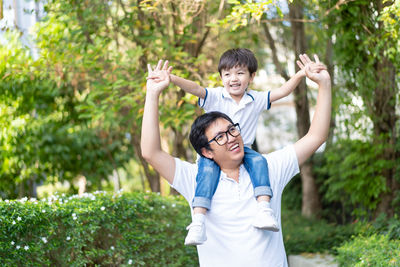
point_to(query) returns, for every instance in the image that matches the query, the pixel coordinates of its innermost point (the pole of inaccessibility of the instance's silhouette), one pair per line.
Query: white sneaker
(196, 234)
(265, 220)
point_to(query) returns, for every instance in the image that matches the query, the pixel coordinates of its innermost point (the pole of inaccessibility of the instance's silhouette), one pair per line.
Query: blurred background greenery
(71, 102)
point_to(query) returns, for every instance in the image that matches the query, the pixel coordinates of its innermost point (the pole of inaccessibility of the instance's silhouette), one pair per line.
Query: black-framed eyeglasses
(222, 138)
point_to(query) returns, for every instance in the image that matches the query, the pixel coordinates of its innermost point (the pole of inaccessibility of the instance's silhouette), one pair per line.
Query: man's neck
(232, 172)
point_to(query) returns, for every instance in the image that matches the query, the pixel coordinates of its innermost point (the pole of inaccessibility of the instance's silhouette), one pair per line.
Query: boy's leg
(207, 181)
(257, 167)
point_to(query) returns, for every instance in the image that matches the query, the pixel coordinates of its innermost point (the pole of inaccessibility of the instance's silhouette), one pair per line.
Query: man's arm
(150, 144)
(292, 83)
(319, 129)
(188, 86)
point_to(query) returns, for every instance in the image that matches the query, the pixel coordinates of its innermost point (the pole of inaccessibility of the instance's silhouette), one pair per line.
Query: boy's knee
(208, 170)
(256, 160)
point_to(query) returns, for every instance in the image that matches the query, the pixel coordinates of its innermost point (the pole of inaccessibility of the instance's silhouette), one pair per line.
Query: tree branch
(272, 46)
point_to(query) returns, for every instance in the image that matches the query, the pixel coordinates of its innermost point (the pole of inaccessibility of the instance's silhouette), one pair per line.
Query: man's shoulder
(282, 164)
(184, 167)
(185, 177)
(286, 151)
(282, 158)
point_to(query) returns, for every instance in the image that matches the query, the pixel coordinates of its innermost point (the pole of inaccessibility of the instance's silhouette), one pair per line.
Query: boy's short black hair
(238, 57)
(197, 136)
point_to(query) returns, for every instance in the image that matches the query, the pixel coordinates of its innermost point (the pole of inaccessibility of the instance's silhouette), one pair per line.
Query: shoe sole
(194, 243)
(268, 228)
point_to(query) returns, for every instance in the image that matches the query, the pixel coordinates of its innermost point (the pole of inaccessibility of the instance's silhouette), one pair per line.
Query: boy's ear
(252, 76)
(207, 153)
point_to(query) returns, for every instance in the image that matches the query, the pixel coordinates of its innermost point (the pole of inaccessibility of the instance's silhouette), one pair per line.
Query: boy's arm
(292, 83)
(188, 86)
(150, 143)
(287, 87)
(318, 132)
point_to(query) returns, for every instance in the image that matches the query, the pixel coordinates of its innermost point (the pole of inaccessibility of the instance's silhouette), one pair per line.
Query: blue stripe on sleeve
(198, 102)
(268, 100)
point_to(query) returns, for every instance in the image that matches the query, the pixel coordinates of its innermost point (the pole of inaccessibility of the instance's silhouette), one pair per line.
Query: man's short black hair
(197, 136)
(238, 57)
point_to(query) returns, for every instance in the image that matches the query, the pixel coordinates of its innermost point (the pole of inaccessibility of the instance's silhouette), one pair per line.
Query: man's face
(236, 80)
(228, 155)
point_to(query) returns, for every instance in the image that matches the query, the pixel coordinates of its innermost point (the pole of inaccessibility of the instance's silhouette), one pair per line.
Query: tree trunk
(116, 181)
(152, 176)
(310, 199)
(384, 121)
(82, 182)
(1, 9)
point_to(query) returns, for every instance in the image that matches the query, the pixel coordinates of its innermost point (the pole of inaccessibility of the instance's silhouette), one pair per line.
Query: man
(232, 240)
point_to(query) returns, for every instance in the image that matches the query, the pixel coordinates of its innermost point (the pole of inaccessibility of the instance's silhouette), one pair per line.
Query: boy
(237, 68)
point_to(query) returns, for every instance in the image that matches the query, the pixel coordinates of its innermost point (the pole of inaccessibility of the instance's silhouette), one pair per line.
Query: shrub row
(311, 235)
(145, 229)
(97, 229)
(376, 250)
(375, 244)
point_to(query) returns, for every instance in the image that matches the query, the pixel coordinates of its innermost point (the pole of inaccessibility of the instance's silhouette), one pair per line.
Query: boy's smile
(236, 81)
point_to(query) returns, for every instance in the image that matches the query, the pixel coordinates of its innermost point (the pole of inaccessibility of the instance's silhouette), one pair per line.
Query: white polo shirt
(246, 113)
(231, 239)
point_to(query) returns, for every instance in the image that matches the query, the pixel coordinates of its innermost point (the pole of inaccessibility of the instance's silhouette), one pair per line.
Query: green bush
(311, 235)
(375, 250)
(353, 171)
(96, 229)
(382, 225)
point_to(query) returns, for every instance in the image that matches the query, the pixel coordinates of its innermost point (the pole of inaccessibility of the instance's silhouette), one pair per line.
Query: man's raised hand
(315, 71)
(158, 79)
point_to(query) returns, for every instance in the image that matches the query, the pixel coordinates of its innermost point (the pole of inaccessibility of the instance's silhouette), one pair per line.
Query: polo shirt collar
(246, 98)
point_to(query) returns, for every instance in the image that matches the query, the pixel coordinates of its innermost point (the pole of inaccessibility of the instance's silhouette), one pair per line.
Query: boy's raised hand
(158, 79)
(315, 71)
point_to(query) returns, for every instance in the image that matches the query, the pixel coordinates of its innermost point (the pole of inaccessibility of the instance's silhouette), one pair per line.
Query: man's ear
(207, 153)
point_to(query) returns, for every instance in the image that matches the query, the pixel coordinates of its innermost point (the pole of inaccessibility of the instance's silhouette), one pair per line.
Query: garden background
(74, 188)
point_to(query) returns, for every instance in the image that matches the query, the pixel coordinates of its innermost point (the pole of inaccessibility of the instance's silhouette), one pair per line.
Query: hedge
(376, 250)
(138, 229)
(146, 229)
(301, 234)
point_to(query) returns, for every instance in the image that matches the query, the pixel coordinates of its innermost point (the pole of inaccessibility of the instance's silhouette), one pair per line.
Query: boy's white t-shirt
(231, 239)
(246, 113)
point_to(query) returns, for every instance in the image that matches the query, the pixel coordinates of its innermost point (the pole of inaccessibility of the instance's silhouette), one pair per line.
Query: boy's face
(236, 80)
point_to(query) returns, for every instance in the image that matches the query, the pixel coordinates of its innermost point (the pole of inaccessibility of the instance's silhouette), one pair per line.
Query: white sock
(199, 217)
(264, 204)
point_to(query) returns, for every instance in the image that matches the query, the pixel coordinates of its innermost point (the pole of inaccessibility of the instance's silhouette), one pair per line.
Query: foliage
(311, 235)
(245, 12)
(80, 104)
(43, 137)
(367, 60)
(95, 229)
(375, 250)
(383, 225)
(352, 172)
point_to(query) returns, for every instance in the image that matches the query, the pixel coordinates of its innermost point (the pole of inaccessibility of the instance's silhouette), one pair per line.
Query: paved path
(312, 260)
